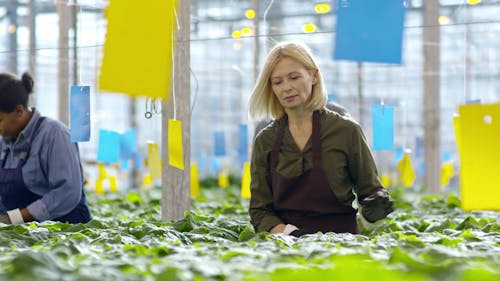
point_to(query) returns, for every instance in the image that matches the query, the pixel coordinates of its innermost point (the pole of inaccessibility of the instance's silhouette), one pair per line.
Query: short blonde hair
(263, 103)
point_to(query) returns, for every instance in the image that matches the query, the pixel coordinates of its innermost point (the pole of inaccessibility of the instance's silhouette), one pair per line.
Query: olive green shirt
(347, 161)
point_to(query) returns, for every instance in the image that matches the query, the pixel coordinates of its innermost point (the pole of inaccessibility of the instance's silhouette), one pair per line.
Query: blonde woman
(309, 163)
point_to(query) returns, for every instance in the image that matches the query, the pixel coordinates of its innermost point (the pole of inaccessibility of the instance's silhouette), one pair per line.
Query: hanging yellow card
(406, 172)
(447, 172)
(137, 57)
(175, 154)
(223, 180)
(245, 181)
(195, 182)
(154, 161)
(480, 132)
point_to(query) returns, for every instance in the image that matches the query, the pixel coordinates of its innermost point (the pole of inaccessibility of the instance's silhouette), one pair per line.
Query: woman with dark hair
(310, 163)
(41, 175)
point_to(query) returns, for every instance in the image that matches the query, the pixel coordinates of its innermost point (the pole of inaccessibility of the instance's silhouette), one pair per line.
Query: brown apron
(307, 200)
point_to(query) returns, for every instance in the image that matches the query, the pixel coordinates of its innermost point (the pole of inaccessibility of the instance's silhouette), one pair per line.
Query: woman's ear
(315, 76)
(19, 110)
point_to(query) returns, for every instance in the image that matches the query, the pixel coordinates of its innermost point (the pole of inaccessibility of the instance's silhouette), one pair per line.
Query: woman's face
(10, 124)
(292, 83)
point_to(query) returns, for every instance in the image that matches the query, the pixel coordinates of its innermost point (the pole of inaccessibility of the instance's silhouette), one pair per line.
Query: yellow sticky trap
(447, 172)
(99, 187)
(175, 154)
(147, 30)
(385, 180)
(154, 161)
(146, 180)
(480, 132)
(101, 171)
(458, 133)
(195, 182)
(223, 180)
(245, 181)
(113, 184)
(406, 172)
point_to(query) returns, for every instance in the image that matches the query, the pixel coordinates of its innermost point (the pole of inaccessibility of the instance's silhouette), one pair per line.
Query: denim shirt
(52, 170)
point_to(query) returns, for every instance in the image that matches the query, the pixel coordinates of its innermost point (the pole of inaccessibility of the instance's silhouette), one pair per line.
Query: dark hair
(14, 91)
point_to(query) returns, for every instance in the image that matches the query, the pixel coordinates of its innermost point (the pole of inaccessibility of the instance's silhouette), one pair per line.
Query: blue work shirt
(52, 170)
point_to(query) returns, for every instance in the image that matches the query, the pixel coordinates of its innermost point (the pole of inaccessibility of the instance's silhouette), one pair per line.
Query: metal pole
(12, 38)
(256, 50)
(432, 140)
(360, 93)
(176, 183)
(31, 22)
(63, 61)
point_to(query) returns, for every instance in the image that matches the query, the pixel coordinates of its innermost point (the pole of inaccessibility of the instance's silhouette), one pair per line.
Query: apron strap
(316, 143)
(277, 143)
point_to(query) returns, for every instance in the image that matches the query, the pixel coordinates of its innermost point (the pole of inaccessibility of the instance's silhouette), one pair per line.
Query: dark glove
(298, 232)
(4, 218)
(377, 206)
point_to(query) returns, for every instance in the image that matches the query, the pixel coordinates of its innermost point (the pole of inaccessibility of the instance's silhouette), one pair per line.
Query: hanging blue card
(216, 165)
(108, 150)
(383, 126)
(369, 31)
(243, 145)
(79, 113)
(398, 155)
(128, 144)
(220, 144)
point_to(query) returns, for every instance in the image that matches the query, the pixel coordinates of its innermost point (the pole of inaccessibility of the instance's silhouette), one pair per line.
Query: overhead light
(443, 20)
(322, 8)
(473, 2)
(309, 28)
(236, 34)
(246, 31)
(250, 14)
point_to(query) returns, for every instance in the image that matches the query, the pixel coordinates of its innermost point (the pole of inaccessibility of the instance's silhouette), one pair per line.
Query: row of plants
(426, 238)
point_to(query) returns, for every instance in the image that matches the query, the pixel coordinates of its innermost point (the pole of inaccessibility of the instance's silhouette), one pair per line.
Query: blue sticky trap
(331, 98)
(383, 126)
(128, 144)
(473, 101)
(398, 155)
(216, 165)
(202, 162)
(108, 150)
(124, 165)
(446, 155)
(79, 111)
(220, 144)
(419, 147)
(243, 144)
(370, 31)
(138, 161)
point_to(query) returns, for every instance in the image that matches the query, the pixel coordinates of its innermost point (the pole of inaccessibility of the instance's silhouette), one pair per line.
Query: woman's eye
(276, 82)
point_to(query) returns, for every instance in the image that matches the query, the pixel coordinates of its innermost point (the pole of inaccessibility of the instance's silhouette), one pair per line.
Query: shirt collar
(30, 127)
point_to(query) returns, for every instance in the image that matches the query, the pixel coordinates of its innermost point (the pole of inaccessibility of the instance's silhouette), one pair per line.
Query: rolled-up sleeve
(262, 215)
(60, 163)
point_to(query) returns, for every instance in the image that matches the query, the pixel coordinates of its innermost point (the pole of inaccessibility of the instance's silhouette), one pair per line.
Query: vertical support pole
(176, 183)
(31, 22)
(63, 61)
(256, 49)
(432, 140)
(11, 6)
(360, 93)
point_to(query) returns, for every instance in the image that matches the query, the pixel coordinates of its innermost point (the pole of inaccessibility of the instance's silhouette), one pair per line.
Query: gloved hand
(376, 206)
(298, 232)
(4, 218)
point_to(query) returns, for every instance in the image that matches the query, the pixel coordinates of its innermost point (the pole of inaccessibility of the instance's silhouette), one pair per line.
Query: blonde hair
(263, 104)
